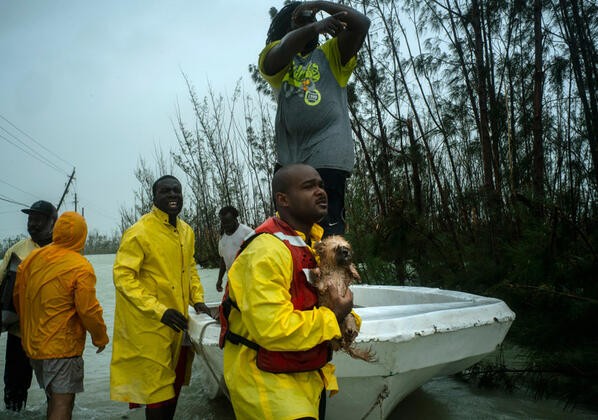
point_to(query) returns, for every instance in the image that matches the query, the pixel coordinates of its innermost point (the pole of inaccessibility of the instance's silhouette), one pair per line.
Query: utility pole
(68, 184)
(76, 201)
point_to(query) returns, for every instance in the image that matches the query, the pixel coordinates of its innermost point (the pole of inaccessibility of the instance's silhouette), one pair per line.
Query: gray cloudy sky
(98, 83)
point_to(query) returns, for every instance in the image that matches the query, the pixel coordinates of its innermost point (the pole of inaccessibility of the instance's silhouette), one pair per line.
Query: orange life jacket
(303, 297)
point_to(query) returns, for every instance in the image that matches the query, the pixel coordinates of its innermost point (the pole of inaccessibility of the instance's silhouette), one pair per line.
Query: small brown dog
(336, 268)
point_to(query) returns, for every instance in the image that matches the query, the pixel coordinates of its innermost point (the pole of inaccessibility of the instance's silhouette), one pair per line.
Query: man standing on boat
(275, 339)
(233, 235)
(55, 298)
(17, 370)
(156, 280)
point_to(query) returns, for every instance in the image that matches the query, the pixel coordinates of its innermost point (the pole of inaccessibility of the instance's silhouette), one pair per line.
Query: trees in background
(226, 158)
(475, 124)
(471, 129)
(99, 243)
(476, 129)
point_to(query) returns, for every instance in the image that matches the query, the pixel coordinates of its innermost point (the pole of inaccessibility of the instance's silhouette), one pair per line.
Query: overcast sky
(98, 83)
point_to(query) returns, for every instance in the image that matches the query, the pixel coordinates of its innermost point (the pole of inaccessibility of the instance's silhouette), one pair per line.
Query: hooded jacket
(55, 295)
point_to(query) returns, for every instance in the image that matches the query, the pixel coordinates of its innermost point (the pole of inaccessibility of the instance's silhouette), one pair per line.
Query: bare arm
(220, 275)
(356, 25)
(348, 24)
(290, 45)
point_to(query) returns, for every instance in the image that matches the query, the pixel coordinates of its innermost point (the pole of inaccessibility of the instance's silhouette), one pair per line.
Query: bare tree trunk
(538, 144)
(417, 183)
(483, 104)
(584, 61)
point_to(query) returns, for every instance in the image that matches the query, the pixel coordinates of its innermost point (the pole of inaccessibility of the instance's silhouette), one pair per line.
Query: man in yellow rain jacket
(56, 301)
(156, 280)
(17, 369)
(273, 310)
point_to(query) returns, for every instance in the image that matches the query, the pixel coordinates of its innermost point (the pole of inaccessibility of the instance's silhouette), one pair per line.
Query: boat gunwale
(482, 311)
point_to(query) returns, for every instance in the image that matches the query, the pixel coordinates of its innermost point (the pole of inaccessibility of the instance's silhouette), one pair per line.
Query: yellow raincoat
(55, 295)
(154, 270)
(259, 282)
(21, 249)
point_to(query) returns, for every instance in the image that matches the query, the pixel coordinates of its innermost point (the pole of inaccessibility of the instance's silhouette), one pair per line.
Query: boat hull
(416, 333)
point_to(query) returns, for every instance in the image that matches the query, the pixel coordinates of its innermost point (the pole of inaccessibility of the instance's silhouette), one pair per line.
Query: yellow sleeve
(197, 293)
(275, 80)
(20, 249)
(357, 320)
(126, 273)
(262, 278)
(333, 54)
(4, 264)
(89, 309)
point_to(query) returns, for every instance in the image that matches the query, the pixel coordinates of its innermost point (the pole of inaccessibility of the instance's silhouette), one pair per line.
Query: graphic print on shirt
(304, 78)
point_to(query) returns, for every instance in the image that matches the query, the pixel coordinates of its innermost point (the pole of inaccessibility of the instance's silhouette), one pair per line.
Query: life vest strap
(238, 339)
(227, 304)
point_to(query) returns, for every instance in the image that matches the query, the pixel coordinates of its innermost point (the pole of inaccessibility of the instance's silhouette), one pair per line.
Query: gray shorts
(60, 376)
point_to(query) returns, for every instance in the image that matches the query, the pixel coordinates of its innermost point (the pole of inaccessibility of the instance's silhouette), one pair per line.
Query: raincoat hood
(55, 295)
(70, 231)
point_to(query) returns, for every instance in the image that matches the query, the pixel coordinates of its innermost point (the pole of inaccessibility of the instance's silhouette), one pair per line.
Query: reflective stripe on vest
(303, 297)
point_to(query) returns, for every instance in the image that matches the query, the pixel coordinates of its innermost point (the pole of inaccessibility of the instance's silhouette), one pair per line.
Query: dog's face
(334, 251)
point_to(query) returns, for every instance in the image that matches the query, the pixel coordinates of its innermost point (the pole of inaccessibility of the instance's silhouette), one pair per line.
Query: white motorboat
(417, 333)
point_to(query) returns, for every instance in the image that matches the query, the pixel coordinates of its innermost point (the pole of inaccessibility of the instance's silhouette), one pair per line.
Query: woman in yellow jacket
(56, 301)
(156, 280)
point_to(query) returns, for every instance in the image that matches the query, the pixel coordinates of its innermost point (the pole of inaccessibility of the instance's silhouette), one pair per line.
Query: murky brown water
(442, 398)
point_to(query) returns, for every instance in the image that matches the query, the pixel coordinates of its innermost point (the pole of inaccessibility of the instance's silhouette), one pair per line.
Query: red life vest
(303, 297)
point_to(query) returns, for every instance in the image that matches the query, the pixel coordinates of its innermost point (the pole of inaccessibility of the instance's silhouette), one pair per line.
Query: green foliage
(98, 243)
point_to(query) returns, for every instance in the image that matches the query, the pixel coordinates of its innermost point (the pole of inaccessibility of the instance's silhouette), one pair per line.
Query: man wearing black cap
(17, 370)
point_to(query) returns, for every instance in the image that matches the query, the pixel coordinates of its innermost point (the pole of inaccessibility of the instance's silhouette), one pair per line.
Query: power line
(4, 198)
(96, 209)
(28, 147)
(35, 141)
(42, 160)
(17, 188)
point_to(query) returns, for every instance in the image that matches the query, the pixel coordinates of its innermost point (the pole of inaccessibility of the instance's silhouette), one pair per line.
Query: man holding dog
(275, 338)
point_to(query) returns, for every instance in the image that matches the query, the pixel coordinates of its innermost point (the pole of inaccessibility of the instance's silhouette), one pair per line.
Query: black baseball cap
(42, 207)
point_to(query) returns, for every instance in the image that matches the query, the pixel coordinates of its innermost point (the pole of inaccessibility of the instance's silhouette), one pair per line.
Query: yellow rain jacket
(21, 249)
(259, 282)
(55, 295)
(154, 270)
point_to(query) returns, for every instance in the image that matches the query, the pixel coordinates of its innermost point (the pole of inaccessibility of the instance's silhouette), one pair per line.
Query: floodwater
(442, 398)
